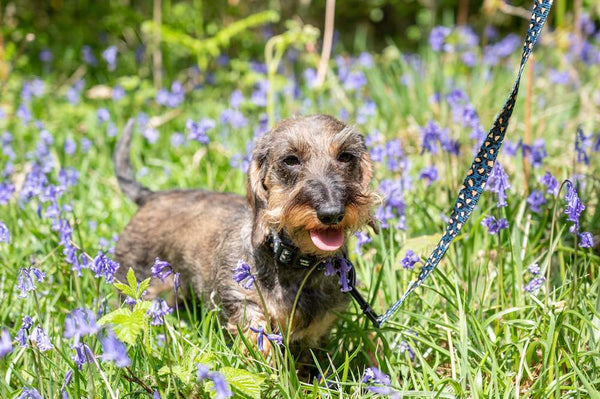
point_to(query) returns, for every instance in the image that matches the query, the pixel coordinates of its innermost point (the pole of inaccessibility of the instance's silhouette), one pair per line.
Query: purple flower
(161, 269)
(329, 268)
(30, 393)
(110, 56)
(219, 384)
(86, 144)
(234, 118)
(25, 281)
(88, 56)
(176, 283)
(534, 269)
(561, 78)
(114, 350)
(344, 268)
(103, 115)
(469, 59)
(574, 206)
(158, 310)
(177, 139)
(41, 339)
(429, 173)
(586, 240)
(24, 113)
(5, 343)
(259, 95)
(582, 144)
(236, 99)
(117, 93)
(46, 56)
(494, 226)
(537, 152)
(437, 37)
(362, 239)
(276, 338)
(80, 322)
(21, 337)
(197, 130)
(409, 261)
(551, 184)
(498, 183)
(405, 347)
(82, 355)
(384, 390)
(534, 284)
(70, 146)
(242, 275)
(4, 233)
(536, 200)
(374, 375)
(105, 267)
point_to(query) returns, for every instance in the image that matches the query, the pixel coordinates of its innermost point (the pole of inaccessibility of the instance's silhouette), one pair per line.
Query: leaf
(179, 371)
(143, 286)
(126, 324)
(131, 279)
(243, 380)
(125, 289)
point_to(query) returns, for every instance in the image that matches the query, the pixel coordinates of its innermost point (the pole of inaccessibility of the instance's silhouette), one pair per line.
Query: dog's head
(309, 177)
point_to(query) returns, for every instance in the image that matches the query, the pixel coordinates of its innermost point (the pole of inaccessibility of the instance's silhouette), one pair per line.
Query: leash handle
(482, 165)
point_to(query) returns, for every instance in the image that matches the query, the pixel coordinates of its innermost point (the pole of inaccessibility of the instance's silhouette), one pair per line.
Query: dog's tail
(125, 174)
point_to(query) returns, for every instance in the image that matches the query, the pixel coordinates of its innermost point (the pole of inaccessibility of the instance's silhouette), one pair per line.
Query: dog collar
(290, 255)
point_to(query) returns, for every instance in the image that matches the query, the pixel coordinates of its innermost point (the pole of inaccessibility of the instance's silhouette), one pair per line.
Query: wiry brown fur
(204, 234)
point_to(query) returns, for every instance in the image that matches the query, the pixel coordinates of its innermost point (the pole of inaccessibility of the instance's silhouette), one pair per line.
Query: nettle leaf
(126, 324)
(143, 286)
(243, 380)
(125, 289)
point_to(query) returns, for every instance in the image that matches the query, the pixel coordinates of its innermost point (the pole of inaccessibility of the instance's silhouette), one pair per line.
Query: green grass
(473, 330)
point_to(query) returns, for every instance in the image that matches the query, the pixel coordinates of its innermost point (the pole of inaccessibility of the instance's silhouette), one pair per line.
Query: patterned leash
(482, 164)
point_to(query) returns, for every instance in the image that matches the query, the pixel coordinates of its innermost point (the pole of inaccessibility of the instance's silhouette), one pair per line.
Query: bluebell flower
(492, 54)
(498, 183)
(5, 343)
(103, 115)
(70, 146)
(469, 59)
(242, 275)
(343, 270)
(176, 283)
(259, 95)
(234, 118)
(536, 200)
(534, 284)
(551, 184)
(25, 281)
(105, 267)
(536, 152)
(558, 77)
(117, 93)
(156, 395)
(86, 144)
(405, 347)
(494, 226)
(88, 56)
(574, 206)
(329, 268)
(409, 261)
(219, 384)
(24, 113)
(197, 130)
(362, 239)
(4, 233)
(82, 354)
(110, 56)
(534, 269)
(67, 382)
(586, 240)
(46, 56)
(236, 99)
(429, 173)
(30, 393)
(23, 332)
(80, 322)
(355, 81)
(437, 37)
(582, 145)
(368, 109)
(384, 390)
(161, 269)
(158, 311)
(114, 350)
(310, 77)
(177, 139)
(41, 339)
(7, 190)
(261, 334)
(374, 375)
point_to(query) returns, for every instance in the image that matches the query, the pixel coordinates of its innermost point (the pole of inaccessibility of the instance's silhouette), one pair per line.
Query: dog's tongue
(327, 240)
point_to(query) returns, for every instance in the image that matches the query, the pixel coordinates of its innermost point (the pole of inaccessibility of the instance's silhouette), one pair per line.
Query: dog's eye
(291, 160)
(345, 157)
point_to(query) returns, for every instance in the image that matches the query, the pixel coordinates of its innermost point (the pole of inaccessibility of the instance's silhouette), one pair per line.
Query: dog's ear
(257, 194)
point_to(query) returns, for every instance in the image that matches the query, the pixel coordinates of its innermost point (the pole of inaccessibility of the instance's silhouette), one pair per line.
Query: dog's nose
(331, 214)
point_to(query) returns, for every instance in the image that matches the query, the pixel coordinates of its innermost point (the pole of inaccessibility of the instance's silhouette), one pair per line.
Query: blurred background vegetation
(65, 27)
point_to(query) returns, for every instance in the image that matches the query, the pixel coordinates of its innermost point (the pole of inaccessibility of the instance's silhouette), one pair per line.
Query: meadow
(513, 310)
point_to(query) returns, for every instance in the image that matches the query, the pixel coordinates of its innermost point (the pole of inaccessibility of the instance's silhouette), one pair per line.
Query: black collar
(290, 255)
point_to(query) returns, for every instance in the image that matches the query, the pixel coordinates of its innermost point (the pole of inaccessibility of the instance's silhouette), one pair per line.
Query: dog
(307, 192)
